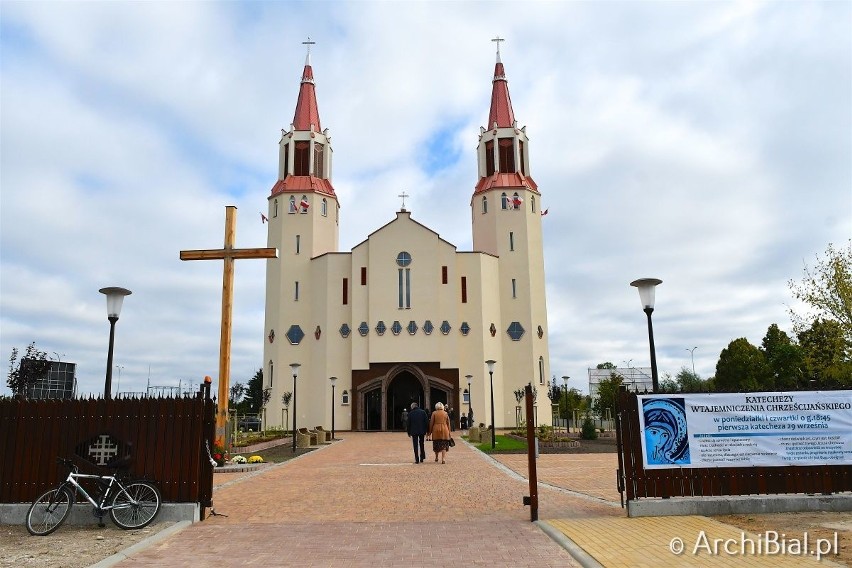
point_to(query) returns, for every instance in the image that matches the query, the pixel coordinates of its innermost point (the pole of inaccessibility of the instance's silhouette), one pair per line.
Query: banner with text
(746, 429)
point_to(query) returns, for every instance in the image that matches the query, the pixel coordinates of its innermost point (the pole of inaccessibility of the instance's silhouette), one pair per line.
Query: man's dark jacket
(418, 422)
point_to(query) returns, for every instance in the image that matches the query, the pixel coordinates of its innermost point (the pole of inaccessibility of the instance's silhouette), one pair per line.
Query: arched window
(403, 260)
(304, 204)
(504, 202)
(484, 204)
(324, 207)
(532, 203)
(275, 208)
(344, 397)
(271, 372)
(541, 370)
(292, 204)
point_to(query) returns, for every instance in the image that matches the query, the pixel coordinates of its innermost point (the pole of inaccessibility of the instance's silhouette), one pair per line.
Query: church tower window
(489, 158)
(532, 203)
(271, 372)
(297, 291)
(541, 370)
(298, 243)
(304, 204)
(464, 289)
(345, 291)
(324, 207)
(319, 150)
(514, 288)
(511, 240)
(507, 155)
(286, 159)
(484, 204)
(363, 276)
(504, 201)
(403, 260)
(275, 208)
(301, 159)
(522, 157)
(292, 206)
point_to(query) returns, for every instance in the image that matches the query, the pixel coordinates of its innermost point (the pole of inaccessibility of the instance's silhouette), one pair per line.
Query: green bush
(589, 432)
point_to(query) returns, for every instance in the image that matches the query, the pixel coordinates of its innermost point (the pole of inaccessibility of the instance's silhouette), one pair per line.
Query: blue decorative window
(428, 327)
(381, 328)
(396, 328)
(295, 335)
(345, 330)
(403, 259)
(445, 327)
(363, 329)
(515, 331)
(465, 329)
(412, 327)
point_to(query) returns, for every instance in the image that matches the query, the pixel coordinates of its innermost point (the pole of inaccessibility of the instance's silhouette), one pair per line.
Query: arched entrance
(403, 389)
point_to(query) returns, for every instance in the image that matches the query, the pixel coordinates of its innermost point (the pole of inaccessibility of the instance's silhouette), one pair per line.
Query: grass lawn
(503, 443)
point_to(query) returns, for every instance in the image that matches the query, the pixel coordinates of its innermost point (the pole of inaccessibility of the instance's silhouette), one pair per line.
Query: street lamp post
(646, 296)
(469, 401)
(294, 367)
(567, 410)
(692, 355)
(333, 404)
(115, 297)
(490, 364)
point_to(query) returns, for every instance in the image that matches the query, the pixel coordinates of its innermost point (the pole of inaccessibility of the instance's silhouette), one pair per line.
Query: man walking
(418, 425)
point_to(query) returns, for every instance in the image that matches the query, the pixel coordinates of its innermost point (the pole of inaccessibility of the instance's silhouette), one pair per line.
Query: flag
(263, 218)
(543, 213)
(516, 202)
(304, 205)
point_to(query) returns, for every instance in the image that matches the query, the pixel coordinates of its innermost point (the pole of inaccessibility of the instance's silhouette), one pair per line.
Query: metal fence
(638, 483)
(161, 439)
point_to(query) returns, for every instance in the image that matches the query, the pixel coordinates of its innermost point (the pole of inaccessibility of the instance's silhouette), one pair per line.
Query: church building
(405, 316)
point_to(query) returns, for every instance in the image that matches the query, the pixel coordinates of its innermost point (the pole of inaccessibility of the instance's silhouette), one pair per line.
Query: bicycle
(131, 504)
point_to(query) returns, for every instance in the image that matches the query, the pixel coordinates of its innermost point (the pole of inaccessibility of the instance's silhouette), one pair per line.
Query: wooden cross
(403, 195)
(228, 254)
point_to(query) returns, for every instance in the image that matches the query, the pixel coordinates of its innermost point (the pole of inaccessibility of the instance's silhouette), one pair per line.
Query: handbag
(452, 442)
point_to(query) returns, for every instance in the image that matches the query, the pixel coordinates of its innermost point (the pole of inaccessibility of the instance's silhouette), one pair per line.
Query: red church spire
(307, 112)
(501, 104)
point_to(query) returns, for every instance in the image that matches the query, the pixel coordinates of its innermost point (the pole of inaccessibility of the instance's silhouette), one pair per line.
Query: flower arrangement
(255, 459)
(238, 459)
(220, 456)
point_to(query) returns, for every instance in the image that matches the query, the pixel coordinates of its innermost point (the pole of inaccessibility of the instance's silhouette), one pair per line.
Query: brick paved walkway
(363, 502)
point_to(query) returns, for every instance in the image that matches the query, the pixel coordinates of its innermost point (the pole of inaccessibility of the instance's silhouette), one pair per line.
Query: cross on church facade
(497, 39)
(403, 195)
(228, 254)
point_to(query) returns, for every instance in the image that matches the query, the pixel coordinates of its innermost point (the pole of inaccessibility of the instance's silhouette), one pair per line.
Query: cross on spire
(498, 39)
(403, 195)
(309, 43)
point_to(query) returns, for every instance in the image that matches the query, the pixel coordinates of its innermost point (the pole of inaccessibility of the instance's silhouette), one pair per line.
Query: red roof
(307, 112)
(303, 184)
(501, 104)
(499, 179)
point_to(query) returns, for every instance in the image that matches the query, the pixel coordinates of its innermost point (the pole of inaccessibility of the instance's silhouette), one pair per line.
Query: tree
(784, 358)
(688, 381)
(827, 289)
(741, 368)
(606, 365)
(826, 355)
(608, 394)
(235, 401)
(554, 393)
(24, 374)
(254, 393)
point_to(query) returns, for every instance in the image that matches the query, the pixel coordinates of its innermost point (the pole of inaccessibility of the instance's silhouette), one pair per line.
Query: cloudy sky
(708, 144)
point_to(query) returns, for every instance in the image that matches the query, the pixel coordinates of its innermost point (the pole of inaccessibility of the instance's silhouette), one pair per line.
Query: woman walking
(439, 428)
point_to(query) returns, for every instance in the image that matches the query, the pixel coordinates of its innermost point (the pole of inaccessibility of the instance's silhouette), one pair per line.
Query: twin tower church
(404, 316)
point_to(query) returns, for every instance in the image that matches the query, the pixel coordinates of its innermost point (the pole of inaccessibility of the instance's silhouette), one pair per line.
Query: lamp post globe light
(114, 297)
(333, 403)
(646, 288)
(490, 364)
(294, 367)
(469, 400)
(567, 410)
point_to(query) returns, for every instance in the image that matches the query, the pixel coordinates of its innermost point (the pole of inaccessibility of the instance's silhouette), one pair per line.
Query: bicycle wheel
(136, 505)
(49, 511)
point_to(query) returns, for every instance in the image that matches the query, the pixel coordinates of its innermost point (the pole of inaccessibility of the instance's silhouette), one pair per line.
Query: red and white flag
(516, 202)
(263, 218)
(304, 205)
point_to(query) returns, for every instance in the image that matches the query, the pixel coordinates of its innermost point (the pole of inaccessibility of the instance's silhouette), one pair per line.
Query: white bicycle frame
(102, 506)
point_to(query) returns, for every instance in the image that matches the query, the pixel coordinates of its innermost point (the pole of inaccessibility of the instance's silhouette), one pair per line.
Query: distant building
(635, 379)
(61, 382)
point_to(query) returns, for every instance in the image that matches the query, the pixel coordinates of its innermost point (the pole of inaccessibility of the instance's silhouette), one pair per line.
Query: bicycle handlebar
(69, 464)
